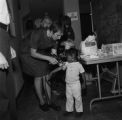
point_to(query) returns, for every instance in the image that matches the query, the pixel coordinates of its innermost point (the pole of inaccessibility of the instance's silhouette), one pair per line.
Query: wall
(84, 6)
(86, 18)
(107, 20)
(39, 7)
(69, 7)
(32, 9)
(54, 8)
(107, 17)
(24, 11)
(24, 7)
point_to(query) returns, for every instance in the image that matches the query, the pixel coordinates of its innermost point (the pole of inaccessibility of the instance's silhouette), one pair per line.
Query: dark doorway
(86, 26)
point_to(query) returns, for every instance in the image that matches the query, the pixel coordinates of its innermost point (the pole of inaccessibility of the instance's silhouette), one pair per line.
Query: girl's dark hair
(66, 20)
(55, 27)
(72, 52)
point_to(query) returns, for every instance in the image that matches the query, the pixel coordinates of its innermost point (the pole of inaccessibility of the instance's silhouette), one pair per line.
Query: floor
(28, 108)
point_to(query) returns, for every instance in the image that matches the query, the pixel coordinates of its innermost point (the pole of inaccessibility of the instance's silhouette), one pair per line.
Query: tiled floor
(28, 108)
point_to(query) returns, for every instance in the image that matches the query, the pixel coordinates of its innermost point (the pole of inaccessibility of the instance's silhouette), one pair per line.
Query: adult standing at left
(7, 95)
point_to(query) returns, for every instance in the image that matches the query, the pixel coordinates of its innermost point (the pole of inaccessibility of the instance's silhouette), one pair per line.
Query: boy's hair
(72, 52)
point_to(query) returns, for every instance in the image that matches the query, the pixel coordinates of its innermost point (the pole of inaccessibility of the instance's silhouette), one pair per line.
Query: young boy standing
(73, 85)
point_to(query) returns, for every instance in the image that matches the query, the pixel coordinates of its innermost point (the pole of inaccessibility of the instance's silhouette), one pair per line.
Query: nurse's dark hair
(55, 27)
(66, 20)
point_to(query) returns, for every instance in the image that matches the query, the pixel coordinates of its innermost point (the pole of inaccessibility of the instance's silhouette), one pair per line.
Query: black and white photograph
(60, 59)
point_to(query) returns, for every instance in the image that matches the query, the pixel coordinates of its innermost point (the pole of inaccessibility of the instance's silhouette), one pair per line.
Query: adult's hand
(3, 62)
(53, 61)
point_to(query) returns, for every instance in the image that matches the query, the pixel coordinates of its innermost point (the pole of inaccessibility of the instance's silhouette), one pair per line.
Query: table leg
(99, 84)
(118, 77)
(100, 98)
(99, 88)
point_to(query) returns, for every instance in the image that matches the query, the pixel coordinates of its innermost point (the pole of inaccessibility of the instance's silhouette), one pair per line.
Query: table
(97, 62)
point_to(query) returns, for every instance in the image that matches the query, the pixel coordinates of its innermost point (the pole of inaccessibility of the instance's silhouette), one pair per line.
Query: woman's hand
(35, 54)
(52, 60)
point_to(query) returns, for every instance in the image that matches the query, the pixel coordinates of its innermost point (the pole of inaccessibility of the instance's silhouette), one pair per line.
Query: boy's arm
(62, 67)
(83, 84)
(82, 75)
(54, 71)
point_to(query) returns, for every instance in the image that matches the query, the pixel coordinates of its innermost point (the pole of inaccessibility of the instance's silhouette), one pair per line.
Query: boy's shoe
(68, 114)
(55, 107)
(44, 107)
(78, 114)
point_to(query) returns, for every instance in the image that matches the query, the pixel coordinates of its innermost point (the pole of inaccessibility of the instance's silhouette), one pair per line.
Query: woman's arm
(42, 57)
